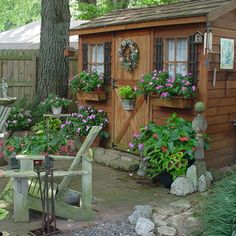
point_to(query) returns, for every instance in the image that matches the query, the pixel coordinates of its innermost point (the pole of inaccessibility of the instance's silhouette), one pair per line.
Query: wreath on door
(129, 54)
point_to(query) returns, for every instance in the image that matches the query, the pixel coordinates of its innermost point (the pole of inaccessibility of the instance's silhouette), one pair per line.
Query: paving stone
(140, 211)
(180, 206)
(177, 221)
(98, 151)
(167, 210)
(105, 159)
(124, 165)
(166, 231)
(182, 186)
(159, 216)
(144, 226)
(126, 158)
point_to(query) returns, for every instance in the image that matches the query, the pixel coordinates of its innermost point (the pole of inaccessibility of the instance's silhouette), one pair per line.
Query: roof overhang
(178, 21)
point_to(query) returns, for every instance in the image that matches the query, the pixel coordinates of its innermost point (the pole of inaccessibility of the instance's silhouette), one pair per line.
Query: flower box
(174, 102)
(92, 96)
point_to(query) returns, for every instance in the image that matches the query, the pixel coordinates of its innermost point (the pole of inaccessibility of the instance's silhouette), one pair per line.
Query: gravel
(106, 228)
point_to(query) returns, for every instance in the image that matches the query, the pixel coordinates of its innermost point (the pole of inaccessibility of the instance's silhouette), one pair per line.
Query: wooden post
(21, 204)
(87, 181)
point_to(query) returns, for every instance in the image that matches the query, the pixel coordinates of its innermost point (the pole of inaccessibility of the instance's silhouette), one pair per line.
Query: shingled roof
(182, 9)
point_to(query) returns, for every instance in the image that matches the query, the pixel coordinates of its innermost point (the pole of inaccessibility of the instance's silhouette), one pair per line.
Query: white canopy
(28, 36)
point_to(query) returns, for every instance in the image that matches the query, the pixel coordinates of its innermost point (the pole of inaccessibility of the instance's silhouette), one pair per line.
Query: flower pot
(173, 102)
(128, 104)
(56, 110)
(92, 96)
(164, 178)
(97, 142)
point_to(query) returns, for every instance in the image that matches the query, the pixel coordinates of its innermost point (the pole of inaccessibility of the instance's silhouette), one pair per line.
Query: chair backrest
(4, 113)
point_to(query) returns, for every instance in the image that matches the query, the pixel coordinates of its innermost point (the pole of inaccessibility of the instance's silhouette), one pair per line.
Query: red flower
(1, 154)
(183, 139)
(155, 136)
(10, 148)
(164, 149)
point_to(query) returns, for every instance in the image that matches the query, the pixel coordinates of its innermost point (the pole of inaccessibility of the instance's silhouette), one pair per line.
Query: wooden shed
(202, 31)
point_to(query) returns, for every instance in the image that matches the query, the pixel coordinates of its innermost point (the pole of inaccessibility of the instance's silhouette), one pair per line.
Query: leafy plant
(166, 147)
(218, 212)
(79, 124)
(160, 83)
(86, 81)
(55, 101)
(126, 92)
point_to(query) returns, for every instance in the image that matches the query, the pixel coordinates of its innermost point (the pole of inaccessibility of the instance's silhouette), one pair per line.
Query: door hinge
(113, 83)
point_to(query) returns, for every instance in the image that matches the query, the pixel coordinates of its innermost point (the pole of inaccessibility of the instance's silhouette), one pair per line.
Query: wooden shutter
(107, 62)
(158, 54)
(85, 56)
(193, 58)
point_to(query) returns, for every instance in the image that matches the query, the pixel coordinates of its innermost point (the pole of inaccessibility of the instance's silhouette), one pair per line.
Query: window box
(92, 96)
(174, 102)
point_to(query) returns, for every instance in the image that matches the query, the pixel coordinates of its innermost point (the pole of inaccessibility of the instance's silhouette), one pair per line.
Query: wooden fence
(20, 68)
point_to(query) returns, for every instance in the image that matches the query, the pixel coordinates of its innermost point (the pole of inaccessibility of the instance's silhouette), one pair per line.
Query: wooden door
(125, 123)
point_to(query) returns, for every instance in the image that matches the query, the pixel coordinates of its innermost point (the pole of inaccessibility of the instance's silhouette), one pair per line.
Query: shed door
(125, 123)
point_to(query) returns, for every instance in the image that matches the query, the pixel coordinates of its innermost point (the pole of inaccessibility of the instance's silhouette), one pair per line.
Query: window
(96, 57)
(176, 56)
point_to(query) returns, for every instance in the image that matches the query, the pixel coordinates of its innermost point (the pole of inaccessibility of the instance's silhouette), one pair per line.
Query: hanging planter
(128, 104)
(174, 102)
(92, 96)
(127, 96)
(56, 110)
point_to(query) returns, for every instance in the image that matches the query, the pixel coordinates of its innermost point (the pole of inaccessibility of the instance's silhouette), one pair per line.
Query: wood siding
(221, 105)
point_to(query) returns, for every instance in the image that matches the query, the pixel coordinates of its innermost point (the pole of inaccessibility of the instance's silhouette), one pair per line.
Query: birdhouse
(198, 37)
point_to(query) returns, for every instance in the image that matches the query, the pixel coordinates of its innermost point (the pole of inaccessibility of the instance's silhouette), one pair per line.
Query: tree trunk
(54, 66)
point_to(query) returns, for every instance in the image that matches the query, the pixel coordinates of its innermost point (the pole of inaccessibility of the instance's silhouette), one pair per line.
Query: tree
(54, 67)
(14, 13)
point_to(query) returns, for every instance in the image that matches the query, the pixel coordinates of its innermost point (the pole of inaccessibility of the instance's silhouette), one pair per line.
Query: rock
(72, 197)
(159, 222)
(177, 221)
(180, 206)
(168, 210)
(191, 222)
(192, 175)
(166, 231)
(125, 165)
(98, 151)
(201, 167)
(125, 158)
(105, 159)
(202, 184)
(209, 179)
(144, 226)
(182, 186)
(156, 216)
(140, 211)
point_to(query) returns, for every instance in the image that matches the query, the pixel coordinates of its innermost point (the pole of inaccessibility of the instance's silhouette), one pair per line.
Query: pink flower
(193, 87)
(169, 85)
(136, 135)
(183, 88)
(140, 147)
(164, 94)
(131, 145)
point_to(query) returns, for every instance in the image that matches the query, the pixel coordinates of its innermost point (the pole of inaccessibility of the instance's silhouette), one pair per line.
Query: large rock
(166, 231)
(167, 210)
(140, 211)
(177, 221)
(144, 226)
(192, 175)
(182, 186)
(180, 206)
(202, 184)
(159, 220)
(125, 165)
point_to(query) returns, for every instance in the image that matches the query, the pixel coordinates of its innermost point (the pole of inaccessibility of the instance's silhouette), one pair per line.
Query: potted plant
(174, 91)
(88, 85)
(168, 149)
(56, 103)
(127, 95)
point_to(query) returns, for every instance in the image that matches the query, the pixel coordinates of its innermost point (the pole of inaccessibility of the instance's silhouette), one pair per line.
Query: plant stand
(174, 102)
(92, 96)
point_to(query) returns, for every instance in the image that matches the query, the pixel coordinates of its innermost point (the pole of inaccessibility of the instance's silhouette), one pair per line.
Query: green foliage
(167, 147)
(162, 84)
(52, 124)
(15, 13)
(126, 92)
(3, 213)
(86, 81)
(56, 101)
(218, 214)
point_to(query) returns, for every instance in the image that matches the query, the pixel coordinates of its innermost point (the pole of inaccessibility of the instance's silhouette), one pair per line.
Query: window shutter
(158, 54)
(193, 58)
(107, 62)
(85, 56)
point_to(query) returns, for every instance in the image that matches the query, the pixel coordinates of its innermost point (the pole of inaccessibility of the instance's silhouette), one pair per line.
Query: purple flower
(100, 110)
(169, 85)
(193, 87)
(187, 83)
(142, 80)
(159, 87)
(78, 130)
(131, 145)
(164, 94)
(183, 88)
(84, 120)
(62, 126)
(140, 147)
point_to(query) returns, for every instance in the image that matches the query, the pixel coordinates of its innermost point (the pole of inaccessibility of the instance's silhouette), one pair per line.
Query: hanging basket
(92, 96)
(174, 102)
(128, 104)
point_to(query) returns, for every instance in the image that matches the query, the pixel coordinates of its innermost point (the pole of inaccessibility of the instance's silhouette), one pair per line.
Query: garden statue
(4, 87)
(199, 125)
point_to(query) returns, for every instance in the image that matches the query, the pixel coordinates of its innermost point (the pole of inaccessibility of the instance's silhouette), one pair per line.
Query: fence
(21, 69)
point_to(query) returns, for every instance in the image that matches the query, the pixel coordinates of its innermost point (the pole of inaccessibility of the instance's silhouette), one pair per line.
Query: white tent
(28, 36)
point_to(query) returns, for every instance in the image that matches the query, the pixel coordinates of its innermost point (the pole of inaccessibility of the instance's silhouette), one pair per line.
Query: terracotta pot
(97, 142)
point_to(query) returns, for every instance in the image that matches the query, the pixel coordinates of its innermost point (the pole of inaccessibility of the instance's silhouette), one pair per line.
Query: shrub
(166, 148)
(126, 92)
(218, 214)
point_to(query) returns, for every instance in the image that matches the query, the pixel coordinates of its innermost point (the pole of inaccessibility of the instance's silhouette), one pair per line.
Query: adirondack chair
(26, 192)
(4, 113)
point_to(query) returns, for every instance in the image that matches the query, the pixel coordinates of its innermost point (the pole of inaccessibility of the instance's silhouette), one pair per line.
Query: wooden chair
(4, 113)
(26, 188)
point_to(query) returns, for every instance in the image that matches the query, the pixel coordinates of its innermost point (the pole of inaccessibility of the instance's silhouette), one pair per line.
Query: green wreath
(128, 60)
